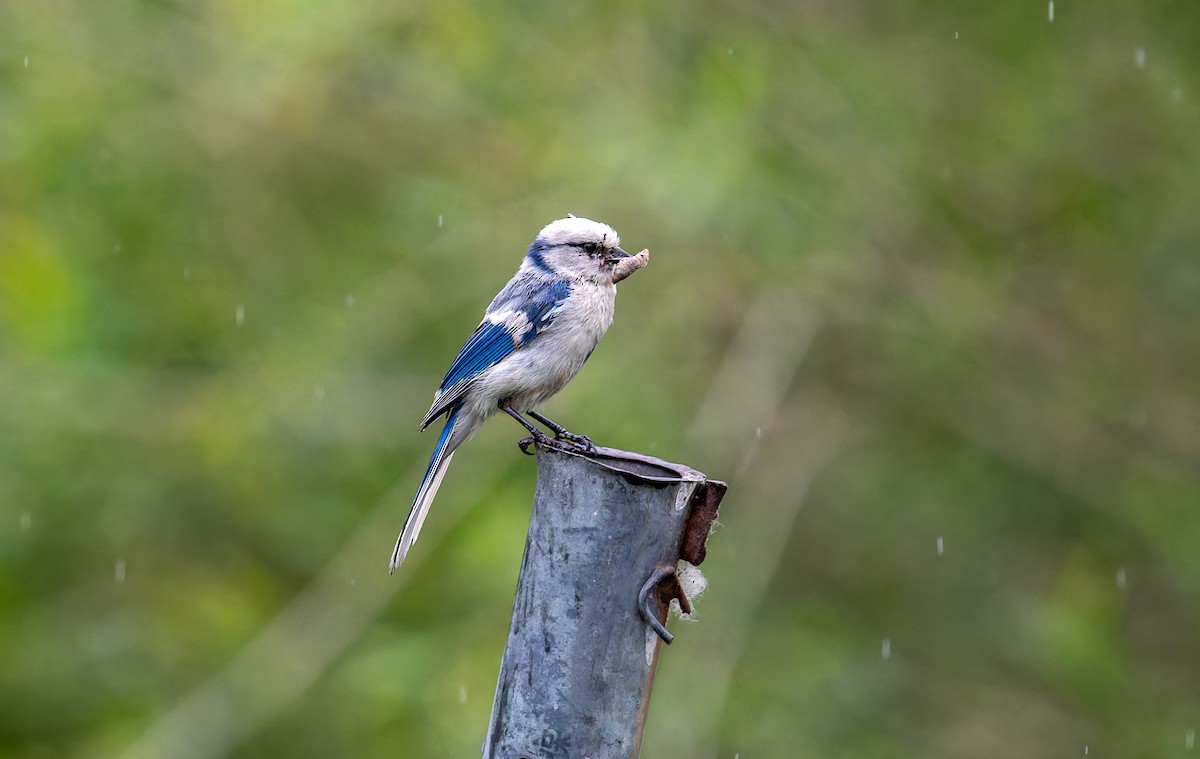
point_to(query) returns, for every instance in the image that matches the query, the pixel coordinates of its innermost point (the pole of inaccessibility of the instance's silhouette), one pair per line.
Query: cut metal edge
(605, 457)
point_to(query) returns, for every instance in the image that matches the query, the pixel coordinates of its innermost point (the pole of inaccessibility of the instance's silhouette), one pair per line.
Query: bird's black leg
(538, 438)
(521, 420)
(561, 433)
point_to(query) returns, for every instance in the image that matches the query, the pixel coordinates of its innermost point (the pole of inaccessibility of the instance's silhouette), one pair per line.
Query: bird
(534, 337)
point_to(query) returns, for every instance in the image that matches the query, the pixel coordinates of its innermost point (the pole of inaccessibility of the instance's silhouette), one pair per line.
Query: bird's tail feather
(425, 494)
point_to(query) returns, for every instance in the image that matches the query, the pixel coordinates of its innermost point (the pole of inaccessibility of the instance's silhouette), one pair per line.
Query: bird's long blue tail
(425, 494)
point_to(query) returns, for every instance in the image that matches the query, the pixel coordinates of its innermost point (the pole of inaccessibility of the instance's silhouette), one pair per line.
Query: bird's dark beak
(616, 254)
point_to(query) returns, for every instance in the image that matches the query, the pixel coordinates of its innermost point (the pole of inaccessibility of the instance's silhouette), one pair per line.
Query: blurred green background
(925, 290)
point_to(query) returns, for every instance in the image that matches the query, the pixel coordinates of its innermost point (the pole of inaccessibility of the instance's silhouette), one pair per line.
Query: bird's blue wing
(522, 311)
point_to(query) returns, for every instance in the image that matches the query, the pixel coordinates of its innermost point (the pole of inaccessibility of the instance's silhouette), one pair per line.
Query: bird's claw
(534, 441)
(561, 440)
(576, 441)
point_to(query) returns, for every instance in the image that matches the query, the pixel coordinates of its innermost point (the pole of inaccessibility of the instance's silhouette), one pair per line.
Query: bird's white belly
(530, 375)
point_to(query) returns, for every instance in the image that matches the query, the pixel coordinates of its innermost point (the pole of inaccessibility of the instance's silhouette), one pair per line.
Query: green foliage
(924, 288)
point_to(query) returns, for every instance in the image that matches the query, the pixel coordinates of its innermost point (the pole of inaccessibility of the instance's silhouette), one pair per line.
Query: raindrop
(26, 521)
(353, 581)
(1085, 749)
(731, 51)
(1121, 577)
(441, 221)
(349, 300)
(1052, 19)
(119, 571)
(462, 694)
(1139, 57)
(116, 247)
(940, 545)
(319, 391)
(241, 314)
(187, 273)
(956, 35)
(758, 432)
(27, 61)
(1176, 94)
(1189, 739)
(887, 649)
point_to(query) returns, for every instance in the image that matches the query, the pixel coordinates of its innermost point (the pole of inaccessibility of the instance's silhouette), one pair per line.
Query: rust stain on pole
(706, 500)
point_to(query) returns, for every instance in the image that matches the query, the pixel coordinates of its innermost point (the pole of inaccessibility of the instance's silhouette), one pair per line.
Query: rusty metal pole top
(607, 531)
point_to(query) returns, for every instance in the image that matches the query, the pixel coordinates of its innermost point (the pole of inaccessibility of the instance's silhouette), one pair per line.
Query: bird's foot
(582, 442)
(565, 438)
(562, 441)
(538, 439)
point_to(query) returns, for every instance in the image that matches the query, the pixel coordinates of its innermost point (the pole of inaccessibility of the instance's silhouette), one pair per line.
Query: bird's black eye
(590, 248)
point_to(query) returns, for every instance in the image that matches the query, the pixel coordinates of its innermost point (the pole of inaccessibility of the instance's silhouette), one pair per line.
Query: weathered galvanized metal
(608, 529)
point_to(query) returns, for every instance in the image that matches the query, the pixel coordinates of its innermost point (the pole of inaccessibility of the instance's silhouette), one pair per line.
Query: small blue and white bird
(534, 337)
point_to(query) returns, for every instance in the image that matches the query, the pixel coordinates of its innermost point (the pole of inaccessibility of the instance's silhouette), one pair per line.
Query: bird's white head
(576, 248)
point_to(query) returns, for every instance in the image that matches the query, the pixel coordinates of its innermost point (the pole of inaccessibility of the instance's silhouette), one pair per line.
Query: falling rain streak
(1052, 18)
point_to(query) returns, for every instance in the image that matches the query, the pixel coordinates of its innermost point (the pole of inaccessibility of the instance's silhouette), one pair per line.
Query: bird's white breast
(532, 374)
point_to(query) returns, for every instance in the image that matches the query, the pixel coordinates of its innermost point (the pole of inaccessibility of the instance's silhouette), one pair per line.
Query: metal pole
(607, 531)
